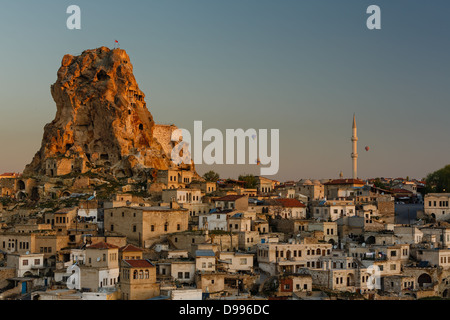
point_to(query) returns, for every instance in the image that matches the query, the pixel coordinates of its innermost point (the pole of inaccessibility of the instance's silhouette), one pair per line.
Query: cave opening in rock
(102, 75)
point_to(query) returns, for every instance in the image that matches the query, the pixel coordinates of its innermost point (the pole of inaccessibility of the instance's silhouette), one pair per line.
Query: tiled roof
(130, 247)
(139, 263)
(231, 197)
(290, 203)
(102, 245)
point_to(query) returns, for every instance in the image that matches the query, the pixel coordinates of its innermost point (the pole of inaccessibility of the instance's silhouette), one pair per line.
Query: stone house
(235, 261)
(288, 284)
(331, 210)
(138, 280)
(205, 261)
(436, 206)
(141, 224)
(130, 252)
(101, 268)
(291, 256)
(287, 208)
(232, 202)
(26, 265)
(182, 195)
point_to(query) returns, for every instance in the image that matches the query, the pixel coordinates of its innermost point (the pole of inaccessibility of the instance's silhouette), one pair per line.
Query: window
(25, 262)
(152, 228)
(37, 261)
(187, 275)
(134, 228)
(180, 275)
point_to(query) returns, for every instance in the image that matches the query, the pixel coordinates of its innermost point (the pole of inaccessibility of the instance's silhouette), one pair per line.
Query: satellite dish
(28, 252)
(363, 245)
(98, 259)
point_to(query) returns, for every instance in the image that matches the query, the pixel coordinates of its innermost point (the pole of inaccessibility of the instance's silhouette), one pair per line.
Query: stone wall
(6, 273)
(163, 134)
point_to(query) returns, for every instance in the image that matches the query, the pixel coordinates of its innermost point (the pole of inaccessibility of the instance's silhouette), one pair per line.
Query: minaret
(354, 150)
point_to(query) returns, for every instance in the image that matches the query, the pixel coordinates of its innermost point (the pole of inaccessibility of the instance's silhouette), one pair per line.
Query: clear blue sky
(303, 67)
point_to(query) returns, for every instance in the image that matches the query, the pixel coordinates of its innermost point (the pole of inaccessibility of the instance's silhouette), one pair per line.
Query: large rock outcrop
(102, 121)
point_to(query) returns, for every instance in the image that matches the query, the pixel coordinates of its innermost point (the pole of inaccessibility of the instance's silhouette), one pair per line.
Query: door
(24, 287)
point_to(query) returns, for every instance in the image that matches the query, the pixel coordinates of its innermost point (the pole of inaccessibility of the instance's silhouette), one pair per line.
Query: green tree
(211, 176)
(379, 184)
(250, 181)
(438, 181)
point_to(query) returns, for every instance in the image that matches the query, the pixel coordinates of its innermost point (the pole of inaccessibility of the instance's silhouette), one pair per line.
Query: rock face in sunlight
(102, 121)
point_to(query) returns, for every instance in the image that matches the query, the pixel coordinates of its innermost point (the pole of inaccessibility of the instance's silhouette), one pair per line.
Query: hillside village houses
(192, 239)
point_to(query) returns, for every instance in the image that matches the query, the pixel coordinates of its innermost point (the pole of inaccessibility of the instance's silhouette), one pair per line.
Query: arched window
(147, 274)
(318, 252)
(135, 274)
(141, 274)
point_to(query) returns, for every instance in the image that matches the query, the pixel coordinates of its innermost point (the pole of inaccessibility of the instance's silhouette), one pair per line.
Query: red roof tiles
(231, 197)
(139, 263)
(290, 203)
(130, 247)
(102, 245)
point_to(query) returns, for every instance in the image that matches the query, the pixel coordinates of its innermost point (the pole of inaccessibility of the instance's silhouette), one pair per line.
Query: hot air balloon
(367, 148)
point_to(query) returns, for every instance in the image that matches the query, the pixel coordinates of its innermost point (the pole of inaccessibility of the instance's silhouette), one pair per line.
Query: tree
(211, 176)
(438, 181)
(250, 181)
(379, 184)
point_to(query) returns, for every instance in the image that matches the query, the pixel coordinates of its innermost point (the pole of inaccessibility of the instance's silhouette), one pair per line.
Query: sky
(303, 67)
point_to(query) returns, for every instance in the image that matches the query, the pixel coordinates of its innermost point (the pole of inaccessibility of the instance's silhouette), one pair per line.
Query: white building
(333, 210)
(235, 261)
(26, 264)
(205, 260)
(182, 195)
(436, 205)
(213, 221)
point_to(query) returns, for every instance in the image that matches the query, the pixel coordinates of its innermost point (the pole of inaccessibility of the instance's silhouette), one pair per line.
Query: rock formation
(102, 121)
